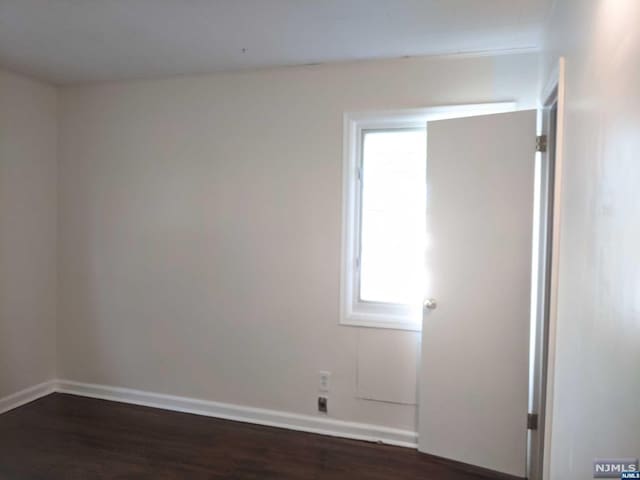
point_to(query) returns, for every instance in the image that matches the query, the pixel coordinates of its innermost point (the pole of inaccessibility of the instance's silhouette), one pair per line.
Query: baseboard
(239, 413)
(259, 416)
(27, 395)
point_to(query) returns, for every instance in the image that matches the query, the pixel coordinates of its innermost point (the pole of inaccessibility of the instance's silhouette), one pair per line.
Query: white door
(475, 342)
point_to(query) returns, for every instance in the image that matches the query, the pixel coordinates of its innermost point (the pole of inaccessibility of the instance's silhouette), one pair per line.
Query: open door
(475, 336)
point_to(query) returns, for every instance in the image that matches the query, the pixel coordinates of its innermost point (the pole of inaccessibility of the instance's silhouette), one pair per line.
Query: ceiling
(76, 41)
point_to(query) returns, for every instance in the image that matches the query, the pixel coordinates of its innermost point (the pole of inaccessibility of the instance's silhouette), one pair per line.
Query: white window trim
(374, 314)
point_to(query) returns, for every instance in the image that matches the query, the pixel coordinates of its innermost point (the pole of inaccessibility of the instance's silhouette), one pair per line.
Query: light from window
(393, 201)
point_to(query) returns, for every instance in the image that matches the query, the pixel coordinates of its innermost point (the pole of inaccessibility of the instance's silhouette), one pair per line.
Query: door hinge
(541, 143)
(532, 421)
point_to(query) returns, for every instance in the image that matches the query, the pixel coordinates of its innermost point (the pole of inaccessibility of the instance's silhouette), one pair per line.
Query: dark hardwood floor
(68, 437)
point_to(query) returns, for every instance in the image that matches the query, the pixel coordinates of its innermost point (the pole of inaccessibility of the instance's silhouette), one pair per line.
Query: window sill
(387, 322)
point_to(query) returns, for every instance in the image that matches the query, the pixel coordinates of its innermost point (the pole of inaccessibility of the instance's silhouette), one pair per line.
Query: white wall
(200, 227)
(597, 380)
(28, 142)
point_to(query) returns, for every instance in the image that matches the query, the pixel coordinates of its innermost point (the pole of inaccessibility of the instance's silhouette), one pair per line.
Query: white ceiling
(72, 41)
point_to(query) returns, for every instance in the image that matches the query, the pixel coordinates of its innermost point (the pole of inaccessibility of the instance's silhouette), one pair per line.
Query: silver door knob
(430, 303)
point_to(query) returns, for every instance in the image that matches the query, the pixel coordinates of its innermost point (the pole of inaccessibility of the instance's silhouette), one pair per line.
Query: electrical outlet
(322, 404)
(324, 380)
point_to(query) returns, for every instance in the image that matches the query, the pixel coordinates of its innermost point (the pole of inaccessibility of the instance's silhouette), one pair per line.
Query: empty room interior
(319, 239)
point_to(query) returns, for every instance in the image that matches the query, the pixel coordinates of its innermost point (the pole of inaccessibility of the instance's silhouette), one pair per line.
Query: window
(386, 224)
(384, 278)
(392, 213)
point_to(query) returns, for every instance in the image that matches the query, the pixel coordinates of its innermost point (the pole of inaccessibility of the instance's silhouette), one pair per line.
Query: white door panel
(474, 365)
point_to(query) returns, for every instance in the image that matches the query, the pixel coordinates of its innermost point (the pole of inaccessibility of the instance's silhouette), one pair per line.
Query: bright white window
(385, 175)
(392, 216)
(384, 279)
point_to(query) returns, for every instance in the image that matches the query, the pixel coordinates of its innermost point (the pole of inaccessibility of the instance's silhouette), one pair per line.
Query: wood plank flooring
(68, 437)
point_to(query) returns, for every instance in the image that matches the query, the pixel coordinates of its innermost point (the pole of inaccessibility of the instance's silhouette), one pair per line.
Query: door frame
(552, 95)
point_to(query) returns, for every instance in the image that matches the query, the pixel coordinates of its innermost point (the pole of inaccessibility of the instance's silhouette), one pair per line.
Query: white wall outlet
(324, 380)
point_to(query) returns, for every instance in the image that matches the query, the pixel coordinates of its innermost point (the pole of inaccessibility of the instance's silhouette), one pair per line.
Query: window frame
(353, 310)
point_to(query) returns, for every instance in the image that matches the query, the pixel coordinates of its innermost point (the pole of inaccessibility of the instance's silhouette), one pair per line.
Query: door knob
(430, 303)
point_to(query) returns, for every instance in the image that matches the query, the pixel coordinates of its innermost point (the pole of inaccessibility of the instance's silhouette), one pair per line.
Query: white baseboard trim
(27, 395)
(259, 416)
